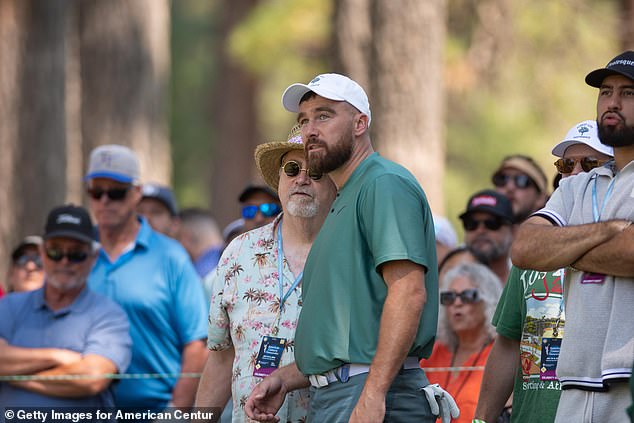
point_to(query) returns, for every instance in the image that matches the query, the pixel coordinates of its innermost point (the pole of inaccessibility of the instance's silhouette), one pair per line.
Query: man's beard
(331, 158)
(488, 256)
(616, 136)
(75, 282)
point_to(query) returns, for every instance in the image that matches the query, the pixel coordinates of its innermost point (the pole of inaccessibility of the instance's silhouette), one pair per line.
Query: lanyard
(596, 213)
(280, 269)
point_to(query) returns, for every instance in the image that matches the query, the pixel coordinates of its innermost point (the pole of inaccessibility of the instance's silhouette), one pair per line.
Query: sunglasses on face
(267, 210)
(24, 259)
(587, 164)
(470, 224)
(292, 169)
(73, 256)
(115, 194)
(468, 296)
(521, 181)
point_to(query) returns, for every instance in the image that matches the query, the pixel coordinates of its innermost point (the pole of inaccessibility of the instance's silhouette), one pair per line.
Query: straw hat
(268, 156)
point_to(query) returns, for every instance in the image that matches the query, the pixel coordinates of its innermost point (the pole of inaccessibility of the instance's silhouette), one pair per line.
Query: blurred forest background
(194, 85)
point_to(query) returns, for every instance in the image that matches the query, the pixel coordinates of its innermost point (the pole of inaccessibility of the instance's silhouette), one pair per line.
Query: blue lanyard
(280, 270)
(596, 213)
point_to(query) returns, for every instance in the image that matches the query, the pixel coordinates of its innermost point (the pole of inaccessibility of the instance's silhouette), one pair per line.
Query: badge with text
(593, 278)
(270, 355)
(550, 355)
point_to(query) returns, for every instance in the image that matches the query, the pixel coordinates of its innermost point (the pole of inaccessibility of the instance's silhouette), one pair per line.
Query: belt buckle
(343, 373)
(318, 381)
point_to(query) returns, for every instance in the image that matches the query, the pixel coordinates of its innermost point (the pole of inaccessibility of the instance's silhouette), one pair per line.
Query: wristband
(478, 421)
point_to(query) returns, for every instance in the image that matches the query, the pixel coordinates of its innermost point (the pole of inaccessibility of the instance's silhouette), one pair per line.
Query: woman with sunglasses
(469, 294)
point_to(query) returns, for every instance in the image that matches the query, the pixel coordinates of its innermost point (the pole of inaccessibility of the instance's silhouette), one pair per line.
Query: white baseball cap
(115, 162)
(583, 133)
(445, 233)
(331, 86)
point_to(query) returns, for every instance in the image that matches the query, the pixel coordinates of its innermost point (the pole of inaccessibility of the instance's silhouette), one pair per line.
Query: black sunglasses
(470, 224)
(292, 169)
(521, 181)
(24, 259)
(587, 164)
(468, 296)
(73, 256)
(267, 210)
(115, 194)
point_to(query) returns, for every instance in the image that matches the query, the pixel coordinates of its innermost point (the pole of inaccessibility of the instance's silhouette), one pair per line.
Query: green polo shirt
(380, 215)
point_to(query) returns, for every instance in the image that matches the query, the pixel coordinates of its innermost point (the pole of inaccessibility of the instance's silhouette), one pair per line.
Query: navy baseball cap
(489, 201)
(623, 64)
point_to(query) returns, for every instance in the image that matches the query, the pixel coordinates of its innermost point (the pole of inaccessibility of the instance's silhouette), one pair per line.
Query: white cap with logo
(583, 133)
(332, 86)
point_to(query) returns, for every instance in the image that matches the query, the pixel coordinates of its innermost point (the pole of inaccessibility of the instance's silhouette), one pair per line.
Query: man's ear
(360, 124)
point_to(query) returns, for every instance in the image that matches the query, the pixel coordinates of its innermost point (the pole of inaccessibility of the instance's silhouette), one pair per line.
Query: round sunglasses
(292, 169)
(468, 296)
(587, 164)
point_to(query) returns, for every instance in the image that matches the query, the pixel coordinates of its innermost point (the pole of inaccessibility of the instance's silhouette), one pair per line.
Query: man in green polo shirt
(370, 287)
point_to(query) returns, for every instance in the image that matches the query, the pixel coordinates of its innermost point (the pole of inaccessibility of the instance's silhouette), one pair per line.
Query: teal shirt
(380, 215)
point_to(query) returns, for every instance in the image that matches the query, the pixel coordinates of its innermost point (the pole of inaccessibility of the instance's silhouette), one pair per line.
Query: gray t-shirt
(598, 347)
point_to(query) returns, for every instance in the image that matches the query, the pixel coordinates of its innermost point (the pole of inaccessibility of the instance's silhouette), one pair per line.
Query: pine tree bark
(235, 119)
(124, 62)
(32, 132)
(405, 40)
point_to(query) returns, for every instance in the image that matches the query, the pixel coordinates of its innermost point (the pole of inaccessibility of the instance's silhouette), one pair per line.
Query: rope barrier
(128, 376)
(13, 378)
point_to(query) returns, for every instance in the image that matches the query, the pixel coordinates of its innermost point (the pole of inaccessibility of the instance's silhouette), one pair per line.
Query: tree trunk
(235, 120)
(627, 24)
(32, 133)
(353, 40)
(12, 32)
(124, 61)
(407, 89)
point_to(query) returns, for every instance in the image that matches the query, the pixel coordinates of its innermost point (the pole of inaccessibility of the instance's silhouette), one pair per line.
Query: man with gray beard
(256, 290)
(63, 328)
(488, 226)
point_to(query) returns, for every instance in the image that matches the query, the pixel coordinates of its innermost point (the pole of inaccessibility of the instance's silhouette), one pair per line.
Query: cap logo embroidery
(583, 129)
(621, 62)
(105, 158)
(67, 218)
(485, 200)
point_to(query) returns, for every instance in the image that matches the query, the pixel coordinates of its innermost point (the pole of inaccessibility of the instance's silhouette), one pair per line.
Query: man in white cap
(586, 228)
(370, 289)
(254, 311)
(151, 276)
(530, 293)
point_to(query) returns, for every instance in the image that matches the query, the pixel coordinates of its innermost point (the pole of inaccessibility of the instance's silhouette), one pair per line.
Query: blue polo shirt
(156, 284)
(92, 324)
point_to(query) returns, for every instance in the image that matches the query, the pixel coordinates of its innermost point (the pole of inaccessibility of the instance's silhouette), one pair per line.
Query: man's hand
(266, 399)
(63, 357)
(370, 408)
(441, 402)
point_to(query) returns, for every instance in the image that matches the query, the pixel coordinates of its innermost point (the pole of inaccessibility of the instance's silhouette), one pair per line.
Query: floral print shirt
(245, 307)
